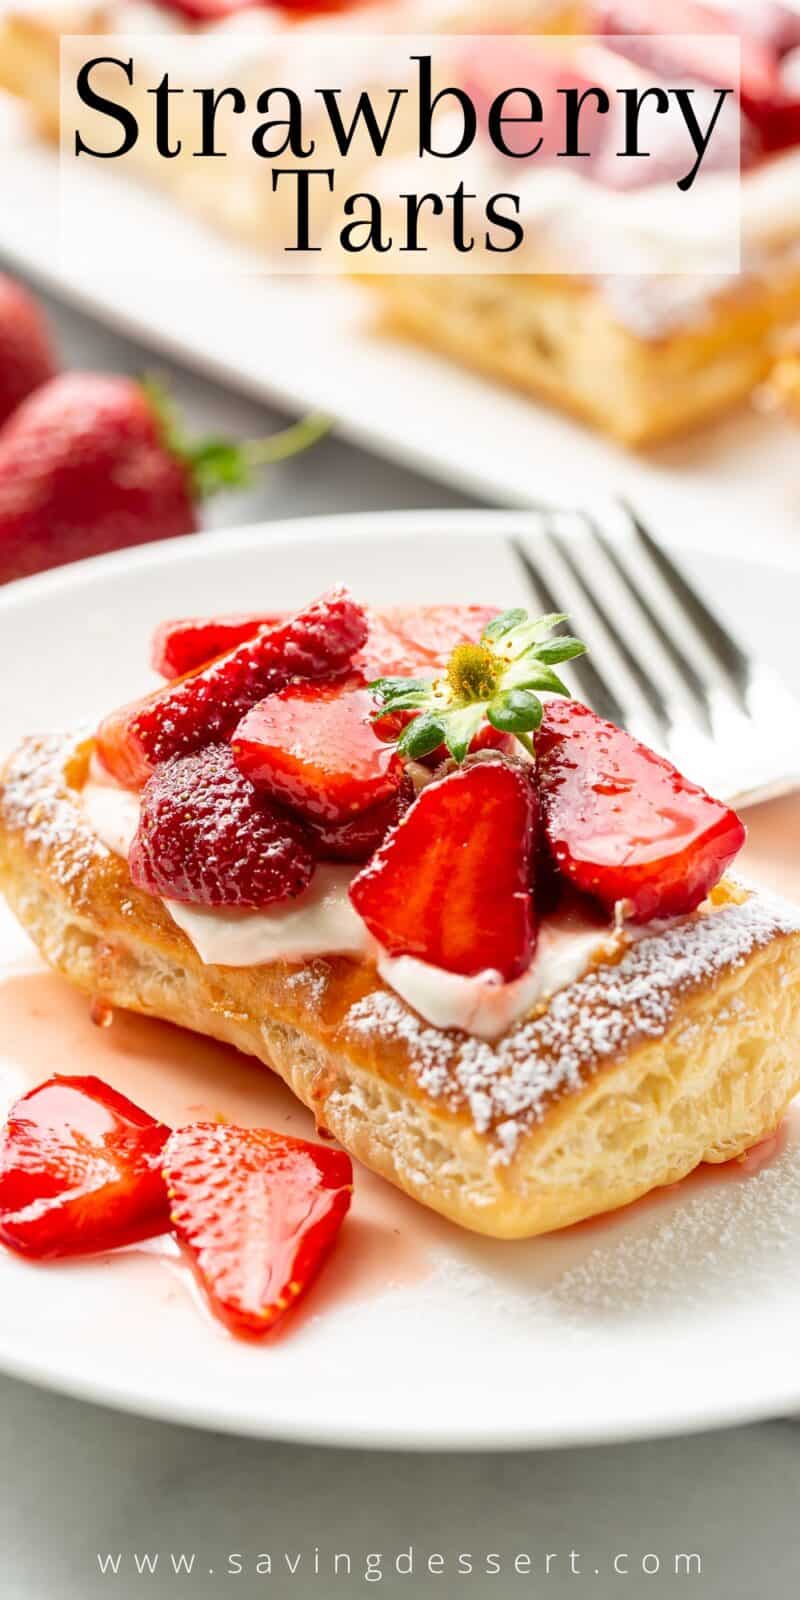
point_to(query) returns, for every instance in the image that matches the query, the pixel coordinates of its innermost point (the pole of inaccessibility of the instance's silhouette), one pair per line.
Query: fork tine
(648, 688)
(680, 661)
(730, 657)
(592, 684)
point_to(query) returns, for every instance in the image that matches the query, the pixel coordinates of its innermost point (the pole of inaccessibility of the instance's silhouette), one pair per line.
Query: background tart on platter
(639, 355)
(644, 355)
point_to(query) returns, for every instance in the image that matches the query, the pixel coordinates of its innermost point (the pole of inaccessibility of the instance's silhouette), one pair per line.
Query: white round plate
(680, 1313)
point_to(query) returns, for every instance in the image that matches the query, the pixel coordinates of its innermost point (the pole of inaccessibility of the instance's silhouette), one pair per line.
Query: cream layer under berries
(392, 785)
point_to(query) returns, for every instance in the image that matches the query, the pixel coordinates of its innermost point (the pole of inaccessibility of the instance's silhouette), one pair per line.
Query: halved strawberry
(451, 884)
(188, 643)
(258, 1213)
(418, 640)
(622, 823)
(80, 1170)
(313, 747)
(401, 639)
(204, 708)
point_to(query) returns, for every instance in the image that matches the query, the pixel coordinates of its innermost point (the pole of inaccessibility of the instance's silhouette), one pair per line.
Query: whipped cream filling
(112, 812)
(322, 921)
(484, 1005)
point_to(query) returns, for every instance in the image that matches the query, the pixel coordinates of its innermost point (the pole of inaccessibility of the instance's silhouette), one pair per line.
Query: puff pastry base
(685, 1050)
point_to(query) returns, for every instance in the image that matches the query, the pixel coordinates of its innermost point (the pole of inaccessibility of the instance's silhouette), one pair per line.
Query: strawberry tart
(487, 937)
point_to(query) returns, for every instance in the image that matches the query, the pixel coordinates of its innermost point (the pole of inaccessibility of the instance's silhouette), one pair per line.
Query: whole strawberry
(206, 837)
(84, 468)
(27, 358)
(92, 463)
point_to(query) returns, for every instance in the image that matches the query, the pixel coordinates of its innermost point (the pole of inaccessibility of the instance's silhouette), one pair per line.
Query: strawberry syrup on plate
(46, 1027)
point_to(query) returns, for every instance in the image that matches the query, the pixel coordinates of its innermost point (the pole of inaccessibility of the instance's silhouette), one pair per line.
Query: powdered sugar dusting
(691, 1245)
(506, 1087)
(36, 803)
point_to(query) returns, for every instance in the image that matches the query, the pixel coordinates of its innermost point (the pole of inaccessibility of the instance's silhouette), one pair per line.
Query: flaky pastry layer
(687, 1049)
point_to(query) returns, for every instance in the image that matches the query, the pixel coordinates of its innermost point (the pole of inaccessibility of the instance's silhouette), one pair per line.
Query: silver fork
(660, 662)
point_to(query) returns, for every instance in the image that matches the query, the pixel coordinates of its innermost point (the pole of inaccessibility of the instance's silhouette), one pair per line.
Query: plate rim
(773, 1405)
(350, 525)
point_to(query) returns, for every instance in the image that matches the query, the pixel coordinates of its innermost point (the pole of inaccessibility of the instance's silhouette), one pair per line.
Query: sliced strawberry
(358, 837)
(622, 823)
(384, 654)
(401, 639)
(204, 708)
(80, 1170)
(258, 1213)
(313, 747)
(417, 640)
(450, 885)
(207, 838)
(192, 642)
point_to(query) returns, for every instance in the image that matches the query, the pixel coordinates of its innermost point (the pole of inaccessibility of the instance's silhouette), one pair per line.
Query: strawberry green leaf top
(499, 679)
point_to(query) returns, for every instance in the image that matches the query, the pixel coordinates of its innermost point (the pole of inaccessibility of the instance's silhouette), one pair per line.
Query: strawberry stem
(216, 463)
(289, 442)
(496, 679)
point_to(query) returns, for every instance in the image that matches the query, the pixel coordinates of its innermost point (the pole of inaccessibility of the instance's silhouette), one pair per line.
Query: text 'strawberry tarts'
(485, 935)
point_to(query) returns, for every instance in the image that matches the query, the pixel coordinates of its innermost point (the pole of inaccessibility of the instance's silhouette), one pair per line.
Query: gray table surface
(84, 1483)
